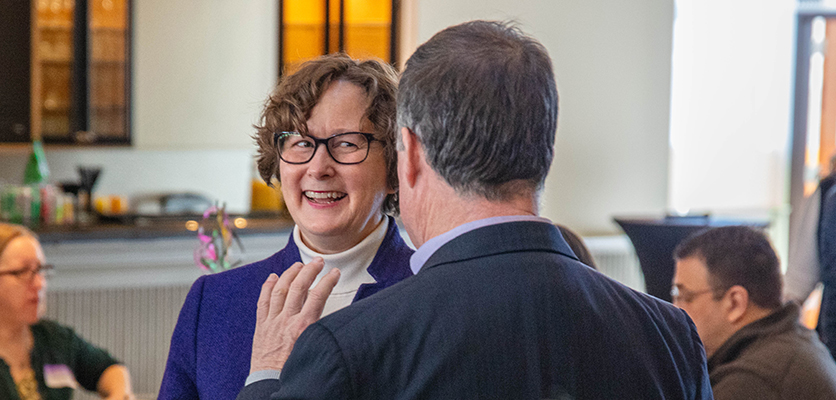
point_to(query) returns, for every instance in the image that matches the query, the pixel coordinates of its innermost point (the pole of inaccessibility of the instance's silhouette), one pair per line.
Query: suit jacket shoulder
(504, 311)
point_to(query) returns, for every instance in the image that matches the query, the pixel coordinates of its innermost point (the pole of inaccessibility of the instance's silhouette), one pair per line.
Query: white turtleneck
(352, 263)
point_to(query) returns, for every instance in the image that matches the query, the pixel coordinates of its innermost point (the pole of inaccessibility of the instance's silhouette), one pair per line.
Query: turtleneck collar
(352, 263)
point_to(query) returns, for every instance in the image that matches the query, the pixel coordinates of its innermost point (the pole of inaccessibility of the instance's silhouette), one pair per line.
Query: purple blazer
(211, 346)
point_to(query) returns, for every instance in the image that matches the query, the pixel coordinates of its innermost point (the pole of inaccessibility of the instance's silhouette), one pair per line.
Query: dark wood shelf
(117, 63)
(56, 27)
(106, 29)
(55, 110)
(154, 227)
(58, 61)
(109, 108)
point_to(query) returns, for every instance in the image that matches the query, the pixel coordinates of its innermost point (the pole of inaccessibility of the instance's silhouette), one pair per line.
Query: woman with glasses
(327, 133)
(40, 359)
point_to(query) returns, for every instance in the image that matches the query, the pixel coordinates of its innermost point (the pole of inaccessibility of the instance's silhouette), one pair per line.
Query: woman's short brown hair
(290, 105)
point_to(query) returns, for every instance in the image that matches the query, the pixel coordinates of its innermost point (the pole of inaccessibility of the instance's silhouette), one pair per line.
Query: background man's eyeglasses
(344, 148)
(27, 274)
(687, 296)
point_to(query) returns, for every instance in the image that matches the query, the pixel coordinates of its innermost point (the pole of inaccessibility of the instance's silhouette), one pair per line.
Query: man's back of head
(481, 97)
(477, 104)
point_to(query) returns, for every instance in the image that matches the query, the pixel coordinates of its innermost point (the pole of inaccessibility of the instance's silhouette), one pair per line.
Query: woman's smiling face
(336, 206)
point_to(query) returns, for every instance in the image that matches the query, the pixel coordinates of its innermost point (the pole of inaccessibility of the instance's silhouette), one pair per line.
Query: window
(361, 28)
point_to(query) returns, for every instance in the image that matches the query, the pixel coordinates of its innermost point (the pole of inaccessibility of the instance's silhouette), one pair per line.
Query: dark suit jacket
(501, 312)
(827, 262)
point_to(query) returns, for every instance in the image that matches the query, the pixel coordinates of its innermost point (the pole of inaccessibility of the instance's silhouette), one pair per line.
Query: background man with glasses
(728, 280)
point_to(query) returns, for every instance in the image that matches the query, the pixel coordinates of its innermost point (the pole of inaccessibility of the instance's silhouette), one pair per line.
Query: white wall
(731, 105)
(612, 59)
(220, 174)
(202, 71)
(731, 102)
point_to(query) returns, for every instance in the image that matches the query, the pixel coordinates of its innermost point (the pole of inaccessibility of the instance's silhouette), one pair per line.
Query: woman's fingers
(264, 298)
(290, 294)
(318, 295)
(287, 305)
(281, 289)
(300, 286)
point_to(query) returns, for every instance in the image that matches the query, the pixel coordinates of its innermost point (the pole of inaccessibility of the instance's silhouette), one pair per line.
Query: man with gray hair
(499, 307)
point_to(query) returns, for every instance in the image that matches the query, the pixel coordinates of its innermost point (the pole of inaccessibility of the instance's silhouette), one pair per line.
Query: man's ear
(735, 303)
(410, 158)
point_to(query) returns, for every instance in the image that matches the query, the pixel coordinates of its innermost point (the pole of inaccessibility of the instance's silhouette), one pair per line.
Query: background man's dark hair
(737, 255)
(481, 97)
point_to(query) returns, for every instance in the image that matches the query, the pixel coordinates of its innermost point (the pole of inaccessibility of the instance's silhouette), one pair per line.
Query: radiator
(615, 257)
(125, 296)
(135, 323)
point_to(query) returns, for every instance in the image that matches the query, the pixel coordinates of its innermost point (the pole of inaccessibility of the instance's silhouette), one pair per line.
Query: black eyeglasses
(27, 274)
(345, 148)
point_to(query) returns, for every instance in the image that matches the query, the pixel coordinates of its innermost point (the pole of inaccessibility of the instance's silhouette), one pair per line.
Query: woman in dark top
(40, 359)
(328, 134)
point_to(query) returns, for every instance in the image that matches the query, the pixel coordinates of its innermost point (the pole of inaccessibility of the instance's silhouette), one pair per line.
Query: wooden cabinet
(67, 77)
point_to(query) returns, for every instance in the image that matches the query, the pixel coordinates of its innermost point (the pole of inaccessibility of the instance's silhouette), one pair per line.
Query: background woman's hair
(290, 105)
(575, 243)
(8, 232)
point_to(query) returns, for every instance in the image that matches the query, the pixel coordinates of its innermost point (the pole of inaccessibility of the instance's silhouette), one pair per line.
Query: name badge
(59, 376)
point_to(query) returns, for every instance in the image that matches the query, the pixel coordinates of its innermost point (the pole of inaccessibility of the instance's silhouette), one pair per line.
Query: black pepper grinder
(88, 175)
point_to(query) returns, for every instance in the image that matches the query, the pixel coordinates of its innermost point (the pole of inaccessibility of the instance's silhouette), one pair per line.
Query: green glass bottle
(36, 169)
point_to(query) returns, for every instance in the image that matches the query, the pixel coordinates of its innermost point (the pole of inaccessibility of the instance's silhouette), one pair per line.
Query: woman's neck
(11, 334)
(16, 343)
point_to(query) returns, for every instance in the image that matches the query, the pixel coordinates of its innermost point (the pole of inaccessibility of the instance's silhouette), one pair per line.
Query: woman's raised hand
(286, 307)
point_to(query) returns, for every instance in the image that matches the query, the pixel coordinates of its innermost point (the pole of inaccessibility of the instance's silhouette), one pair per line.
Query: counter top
(155, 228)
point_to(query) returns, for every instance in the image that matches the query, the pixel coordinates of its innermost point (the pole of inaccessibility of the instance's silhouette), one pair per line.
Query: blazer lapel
(390, 264)
(288, 257)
